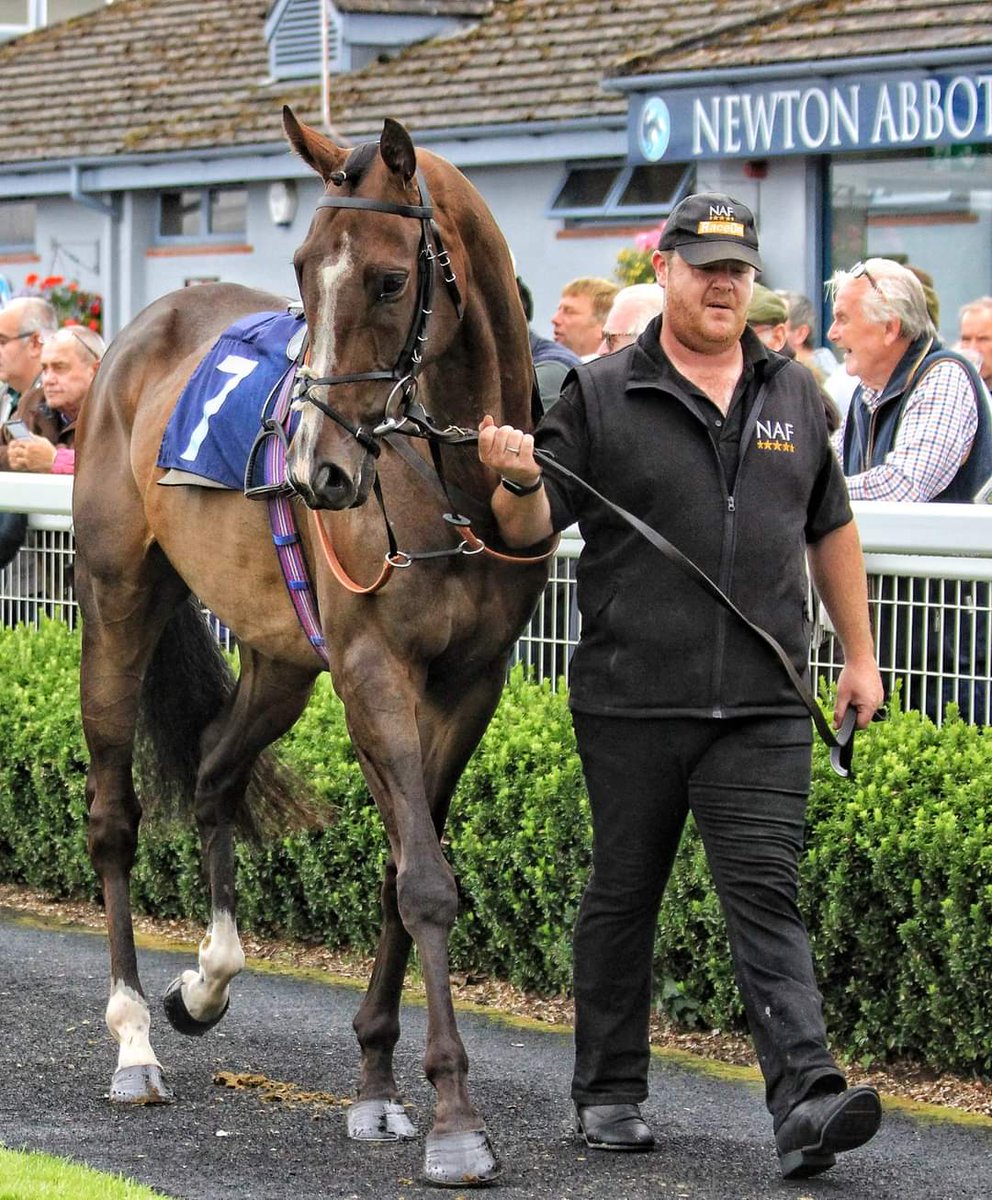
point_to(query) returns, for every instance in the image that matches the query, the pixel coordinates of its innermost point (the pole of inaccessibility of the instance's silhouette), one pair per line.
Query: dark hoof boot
(820, 1128)
(460, 1160)
(379, 1121)
(179, 1015)
(613, 1127)
(140, 1085)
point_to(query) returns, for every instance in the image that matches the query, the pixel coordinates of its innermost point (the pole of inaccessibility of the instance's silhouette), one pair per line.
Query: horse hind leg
(266, 703)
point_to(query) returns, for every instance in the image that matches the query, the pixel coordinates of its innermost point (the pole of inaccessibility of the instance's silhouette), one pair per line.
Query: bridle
(400, 413)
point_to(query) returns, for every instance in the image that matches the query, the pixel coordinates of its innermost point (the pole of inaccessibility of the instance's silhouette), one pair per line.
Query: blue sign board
(812, 116)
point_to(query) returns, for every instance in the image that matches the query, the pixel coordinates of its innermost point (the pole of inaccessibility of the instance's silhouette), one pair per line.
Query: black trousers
(746, 782)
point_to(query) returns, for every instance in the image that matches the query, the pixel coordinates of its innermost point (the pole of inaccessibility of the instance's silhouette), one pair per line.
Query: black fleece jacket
(653, 643)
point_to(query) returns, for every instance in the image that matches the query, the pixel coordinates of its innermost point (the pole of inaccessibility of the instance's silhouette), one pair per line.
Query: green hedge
(897, 878)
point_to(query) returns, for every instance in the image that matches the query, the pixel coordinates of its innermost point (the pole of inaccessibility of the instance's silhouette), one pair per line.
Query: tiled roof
(825, 29)
(148, 76)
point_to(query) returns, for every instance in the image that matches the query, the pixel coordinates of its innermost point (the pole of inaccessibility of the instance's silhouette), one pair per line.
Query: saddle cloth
(219, 413)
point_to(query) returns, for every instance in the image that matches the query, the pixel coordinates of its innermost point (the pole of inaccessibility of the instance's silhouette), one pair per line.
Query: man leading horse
(722, 446)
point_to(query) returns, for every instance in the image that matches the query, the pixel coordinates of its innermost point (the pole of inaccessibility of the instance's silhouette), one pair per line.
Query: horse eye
(392, 285)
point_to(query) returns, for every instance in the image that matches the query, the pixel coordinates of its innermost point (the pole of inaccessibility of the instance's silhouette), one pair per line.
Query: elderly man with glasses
(69, 361)
(919, 428)
(633, 309)
(24, 324)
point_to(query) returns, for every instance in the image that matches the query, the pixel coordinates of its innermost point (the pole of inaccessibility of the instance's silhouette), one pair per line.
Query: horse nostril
(333, 486)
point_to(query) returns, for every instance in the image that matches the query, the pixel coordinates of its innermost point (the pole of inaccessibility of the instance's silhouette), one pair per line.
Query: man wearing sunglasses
(722, 447)
(919, 428)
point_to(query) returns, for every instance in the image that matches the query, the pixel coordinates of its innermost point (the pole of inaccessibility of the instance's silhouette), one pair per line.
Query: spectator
(801, 336)
(929, 293)
(23, 323)
(676, 708)
(69, 361)
(551, 361)
(976, 335)
(633, 309)
(768, 316)
(582, 309)
(919, 428)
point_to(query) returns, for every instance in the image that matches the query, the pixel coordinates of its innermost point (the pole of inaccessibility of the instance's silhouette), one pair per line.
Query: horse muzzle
(327, 484)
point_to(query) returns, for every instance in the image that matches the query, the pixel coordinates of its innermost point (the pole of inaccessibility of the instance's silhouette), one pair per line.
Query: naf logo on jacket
(775, 436)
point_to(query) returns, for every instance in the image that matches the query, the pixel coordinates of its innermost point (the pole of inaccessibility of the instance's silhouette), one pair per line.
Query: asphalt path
(215, 1143)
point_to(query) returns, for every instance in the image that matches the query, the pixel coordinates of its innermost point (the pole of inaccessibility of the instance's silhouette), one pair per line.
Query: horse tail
(187, 683)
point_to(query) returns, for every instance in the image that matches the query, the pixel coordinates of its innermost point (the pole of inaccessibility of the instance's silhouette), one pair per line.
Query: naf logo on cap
(721, 223)
(710, 227)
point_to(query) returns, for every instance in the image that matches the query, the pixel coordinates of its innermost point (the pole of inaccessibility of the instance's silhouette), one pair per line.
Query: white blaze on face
(322, 341)
(221, 958)
(129, 1021)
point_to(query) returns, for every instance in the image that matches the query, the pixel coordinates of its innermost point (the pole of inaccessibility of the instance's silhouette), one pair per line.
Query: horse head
(366, 275)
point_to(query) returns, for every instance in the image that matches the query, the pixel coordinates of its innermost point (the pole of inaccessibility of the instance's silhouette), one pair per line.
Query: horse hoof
(180, 1018)
(460, 1159)
(140, 1085)
(379, 1121)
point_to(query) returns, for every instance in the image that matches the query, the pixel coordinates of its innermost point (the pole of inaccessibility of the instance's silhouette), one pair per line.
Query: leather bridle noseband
(400, 415)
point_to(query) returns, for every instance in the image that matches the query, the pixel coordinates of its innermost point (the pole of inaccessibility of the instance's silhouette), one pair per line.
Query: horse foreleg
(267, 701)
(378, 1114)
(412, 768)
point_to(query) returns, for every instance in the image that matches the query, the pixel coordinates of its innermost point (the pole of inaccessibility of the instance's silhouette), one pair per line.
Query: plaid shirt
(934, 437)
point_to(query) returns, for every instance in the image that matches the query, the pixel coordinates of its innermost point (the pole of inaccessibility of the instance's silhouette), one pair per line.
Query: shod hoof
(460, 1160)
(379, 1121)
(179, 1015)
(140, 1085)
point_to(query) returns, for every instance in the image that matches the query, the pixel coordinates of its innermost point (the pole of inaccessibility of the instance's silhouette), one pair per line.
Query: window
(203, 214)
(21, 16)
(608, 192)
(17, 222)
(929, 208)
(62, 10)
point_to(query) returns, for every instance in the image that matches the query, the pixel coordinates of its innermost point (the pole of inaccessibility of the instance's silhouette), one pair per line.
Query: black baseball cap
(709, 227)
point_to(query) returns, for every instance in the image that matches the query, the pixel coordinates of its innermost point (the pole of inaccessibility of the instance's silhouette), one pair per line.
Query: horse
(418, 662)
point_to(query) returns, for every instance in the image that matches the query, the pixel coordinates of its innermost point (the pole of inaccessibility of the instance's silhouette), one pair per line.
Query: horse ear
(315, 149)
(397, 150)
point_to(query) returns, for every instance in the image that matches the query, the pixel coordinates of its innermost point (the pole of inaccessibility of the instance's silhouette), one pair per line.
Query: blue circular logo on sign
(654, 129)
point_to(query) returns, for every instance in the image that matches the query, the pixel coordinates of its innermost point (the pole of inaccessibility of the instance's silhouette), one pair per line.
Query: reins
(403, 415)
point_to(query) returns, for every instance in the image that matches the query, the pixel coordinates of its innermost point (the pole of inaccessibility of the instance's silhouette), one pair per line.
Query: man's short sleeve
(829, 504)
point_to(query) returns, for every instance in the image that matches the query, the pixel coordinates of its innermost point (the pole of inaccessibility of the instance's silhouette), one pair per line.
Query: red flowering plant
(72, 305)
(634, 264)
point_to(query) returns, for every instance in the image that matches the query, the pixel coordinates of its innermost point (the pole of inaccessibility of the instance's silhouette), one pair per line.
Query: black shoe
(613, 1127)
(824, 1126)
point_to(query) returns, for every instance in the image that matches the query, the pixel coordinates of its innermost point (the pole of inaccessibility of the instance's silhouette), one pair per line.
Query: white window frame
(206, 234)
(611, 210)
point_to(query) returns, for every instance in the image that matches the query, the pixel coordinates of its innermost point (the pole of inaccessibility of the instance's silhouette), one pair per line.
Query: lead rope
(842, 743)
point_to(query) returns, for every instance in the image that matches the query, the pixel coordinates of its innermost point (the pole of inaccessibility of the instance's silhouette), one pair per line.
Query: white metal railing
(929, 565)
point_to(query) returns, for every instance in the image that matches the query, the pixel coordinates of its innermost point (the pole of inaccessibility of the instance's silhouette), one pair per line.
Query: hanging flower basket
(72, 305)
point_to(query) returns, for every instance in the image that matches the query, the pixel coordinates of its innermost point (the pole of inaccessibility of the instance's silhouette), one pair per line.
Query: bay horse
(419, 663)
